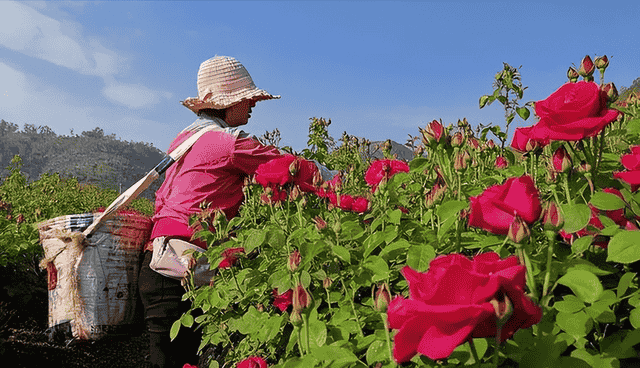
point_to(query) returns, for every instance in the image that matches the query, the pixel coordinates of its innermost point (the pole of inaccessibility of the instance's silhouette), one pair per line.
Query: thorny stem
(388, 336)
(551, 238)
(353, 307)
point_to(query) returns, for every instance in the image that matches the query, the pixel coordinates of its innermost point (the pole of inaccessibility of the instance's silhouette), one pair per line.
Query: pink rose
(573, 112)
(495, 209)
(383, 170)
(253, 362)
(452, 302)
(230, 257)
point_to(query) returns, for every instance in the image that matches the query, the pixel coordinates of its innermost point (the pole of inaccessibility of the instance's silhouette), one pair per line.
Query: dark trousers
(162, 300)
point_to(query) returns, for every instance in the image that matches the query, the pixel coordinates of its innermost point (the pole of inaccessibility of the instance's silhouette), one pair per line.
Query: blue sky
(376, 69)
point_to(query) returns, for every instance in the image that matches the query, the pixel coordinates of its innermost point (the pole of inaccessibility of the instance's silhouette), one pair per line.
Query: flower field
(474, 253)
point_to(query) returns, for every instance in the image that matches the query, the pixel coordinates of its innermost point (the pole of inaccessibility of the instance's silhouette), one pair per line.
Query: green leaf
(570, 304)
(450, 209)
(576, 217)
(378, 266)
(624, 247)
(523, 112)
(580, 245)
(633, 127)
(418, 164)
(634, 318)
(584, 284)
(419, 257)
(186, 320)
(607, 201)
(576, 324)
(394, 216)
(175, 328)
(254, 240)
(393, 249)
(351, 230)
(372, 242)
(600, 312)
(377, 352)
(445, 226)
(624, 283)
(342, 253)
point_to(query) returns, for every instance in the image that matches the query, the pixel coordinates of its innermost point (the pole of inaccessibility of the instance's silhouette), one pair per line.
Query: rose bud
(473, 143)
(301, 298)
(572, 74)
(20, 218)
(461, 160)
(586, 68)
(489, 144)
(503, 309)
(295, 318)
(320, 223)
(611, 91)
(518, 230)
(561, 160)
(584, 167)
(294, 261)
(501, 163)
(326, 283)
(457, 140)
(552, 218)
(601, 62)
(433, 133)
(382, 298)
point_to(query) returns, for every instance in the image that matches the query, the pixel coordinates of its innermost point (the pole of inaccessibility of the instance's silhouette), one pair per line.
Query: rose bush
(452, 302)
(437, 262)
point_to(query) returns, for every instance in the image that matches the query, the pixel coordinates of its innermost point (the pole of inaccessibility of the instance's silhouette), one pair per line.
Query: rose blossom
(287, 169)
(495, 208)
(230, 257)
(523, 142)
(501, 163)
(383, 169)
(452, 302)
(573, 112)
(631, 162)
(253, 362)
(282, 301)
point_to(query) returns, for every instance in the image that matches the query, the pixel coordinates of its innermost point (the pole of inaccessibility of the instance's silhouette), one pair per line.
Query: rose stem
(496, 353)
(236, 281)
(299, 341)
(386, 331)
(353, 307)
(551, 237)
(600, 152)
(565, 183)
(305, 321)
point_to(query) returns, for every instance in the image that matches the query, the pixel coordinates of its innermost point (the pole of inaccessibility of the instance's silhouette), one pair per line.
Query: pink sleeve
(249, 154)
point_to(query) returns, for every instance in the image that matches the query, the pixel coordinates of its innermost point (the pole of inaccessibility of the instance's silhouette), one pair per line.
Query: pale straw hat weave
(223, 82)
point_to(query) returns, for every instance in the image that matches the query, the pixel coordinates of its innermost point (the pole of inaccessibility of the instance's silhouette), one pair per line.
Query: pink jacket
(213, 170)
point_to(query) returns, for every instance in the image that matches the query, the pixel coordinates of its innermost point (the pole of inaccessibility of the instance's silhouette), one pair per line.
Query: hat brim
(223, 101)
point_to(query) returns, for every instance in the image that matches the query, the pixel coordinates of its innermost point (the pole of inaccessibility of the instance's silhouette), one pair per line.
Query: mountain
(92, 156)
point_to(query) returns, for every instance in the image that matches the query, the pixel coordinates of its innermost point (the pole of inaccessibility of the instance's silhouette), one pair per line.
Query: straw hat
(223, 82)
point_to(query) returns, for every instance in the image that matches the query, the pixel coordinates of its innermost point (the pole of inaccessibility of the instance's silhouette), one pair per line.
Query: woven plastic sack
(93, 283)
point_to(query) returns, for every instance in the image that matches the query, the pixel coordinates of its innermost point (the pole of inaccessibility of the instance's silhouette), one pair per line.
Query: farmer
(212, 171)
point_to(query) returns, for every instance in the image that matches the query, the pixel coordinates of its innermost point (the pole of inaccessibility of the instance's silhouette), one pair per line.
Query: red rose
(561, 160)
(594, 222)
(495, 209)
(451, 303)
(631, 162)
(230, 257)
(187, 365)
(349, 203)
(287, 169)
(501, 163)
(282, 301)
(523, 142)
(575, 111)
(383, 170)
(253, 362)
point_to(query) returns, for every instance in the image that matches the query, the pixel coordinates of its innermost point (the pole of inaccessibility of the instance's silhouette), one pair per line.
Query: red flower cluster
(349, 203)
(573, 112)
(282, 301)
(494, 209)
(383, 170)
(286, 169)
(253, 362)
(230, 257)
(454, 301)
(631, 162)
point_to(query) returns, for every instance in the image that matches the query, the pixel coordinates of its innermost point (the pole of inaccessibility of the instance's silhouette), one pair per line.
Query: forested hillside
(92, 156)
